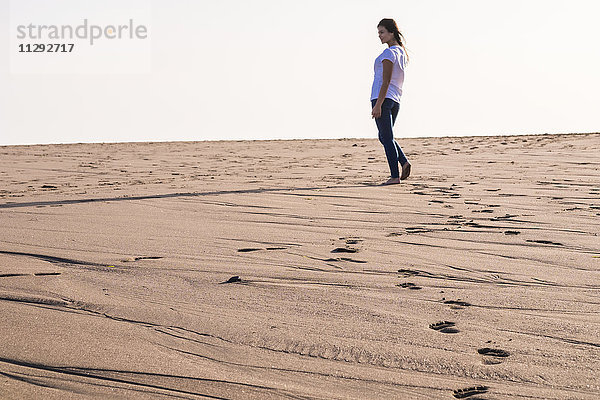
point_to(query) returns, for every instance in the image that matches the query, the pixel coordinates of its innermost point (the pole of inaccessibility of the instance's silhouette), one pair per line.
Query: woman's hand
(376, 113)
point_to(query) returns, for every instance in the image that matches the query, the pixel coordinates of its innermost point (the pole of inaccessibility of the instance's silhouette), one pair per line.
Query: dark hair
(391, 27)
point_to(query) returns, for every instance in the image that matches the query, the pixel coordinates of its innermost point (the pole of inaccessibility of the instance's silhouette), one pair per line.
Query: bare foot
(391, 181)
(405, 171)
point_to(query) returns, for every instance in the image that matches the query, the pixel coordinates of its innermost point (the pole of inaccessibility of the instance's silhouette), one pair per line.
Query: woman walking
(385, 96)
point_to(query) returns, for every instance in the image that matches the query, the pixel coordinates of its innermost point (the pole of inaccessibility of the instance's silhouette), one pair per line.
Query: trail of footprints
(490, 356)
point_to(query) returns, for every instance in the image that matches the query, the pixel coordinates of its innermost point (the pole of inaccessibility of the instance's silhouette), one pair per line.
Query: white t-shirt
(396, 55)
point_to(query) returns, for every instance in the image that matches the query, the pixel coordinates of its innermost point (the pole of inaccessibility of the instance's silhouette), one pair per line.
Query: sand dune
(280, 270)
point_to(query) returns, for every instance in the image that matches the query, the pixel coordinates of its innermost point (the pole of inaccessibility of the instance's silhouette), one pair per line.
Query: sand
(477, 278)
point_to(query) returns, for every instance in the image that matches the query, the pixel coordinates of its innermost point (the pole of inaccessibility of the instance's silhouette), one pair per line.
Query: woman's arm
(387, 77)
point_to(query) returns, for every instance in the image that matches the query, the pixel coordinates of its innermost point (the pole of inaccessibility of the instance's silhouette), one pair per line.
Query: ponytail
(400, 39)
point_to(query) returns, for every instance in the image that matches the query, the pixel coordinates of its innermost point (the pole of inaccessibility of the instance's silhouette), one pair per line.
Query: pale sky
(277, 69)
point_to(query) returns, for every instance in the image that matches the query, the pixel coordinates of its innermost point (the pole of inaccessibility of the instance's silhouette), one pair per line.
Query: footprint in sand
(351, 240)
(470, 391)
(493, 356)
(409, 285)
(406, 273)
(233, 279)
(444, 327)
(344, 250)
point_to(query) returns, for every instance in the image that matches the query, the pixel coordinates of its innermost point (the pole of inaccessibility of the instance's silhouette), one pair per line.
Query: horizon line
(300, 139)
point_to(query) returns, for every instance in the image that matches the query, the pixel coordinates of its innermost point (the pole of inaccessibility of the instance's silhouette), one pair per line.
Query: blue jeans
(393, 151)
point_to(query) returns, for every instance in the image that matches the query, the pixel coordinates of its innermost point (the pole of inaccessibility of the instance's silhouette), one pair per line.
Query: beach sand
(477, 278)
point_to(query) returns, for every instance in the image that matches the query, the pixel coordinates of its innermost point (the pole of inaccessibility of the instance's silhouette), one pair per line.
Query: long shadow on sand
(188, 194)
